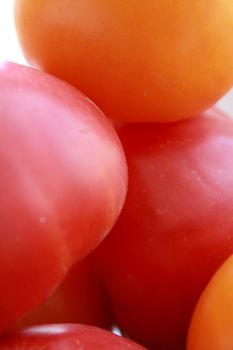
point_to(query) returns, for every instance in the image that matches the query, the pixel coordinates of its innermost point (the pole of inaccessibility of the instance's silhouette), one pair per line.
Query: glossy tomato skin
(79, 299)
(145, 61)
(63, 183)
(66, 336)
(211, 325)
(176, 227)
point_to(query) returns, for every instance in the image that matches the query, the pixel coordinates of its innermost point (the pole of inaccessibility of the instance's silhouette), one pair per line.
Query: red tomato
(175, 229)
(63, 183)
(138, 60)
(79, 299)
(211, 326)
(64, 337)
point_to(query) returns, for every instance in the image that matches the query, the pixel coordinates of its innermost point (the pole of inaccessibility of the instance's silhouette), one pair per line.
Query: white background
(9, 47)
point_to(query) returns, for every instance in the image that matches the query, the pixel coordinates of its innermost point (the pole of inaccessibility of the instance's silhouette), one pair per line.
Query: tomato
(63, 182)
(79, 299)
(66, 336)
(138, 60)
(175, 229)
(211, 326)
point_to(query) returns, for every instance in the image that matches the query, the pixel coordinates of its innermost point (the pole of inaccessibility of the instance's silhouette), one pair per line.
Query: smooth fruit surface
(211, 325)
(64, 337)
(138, 60)
(176, 227)
(79, 299)
(63, 183)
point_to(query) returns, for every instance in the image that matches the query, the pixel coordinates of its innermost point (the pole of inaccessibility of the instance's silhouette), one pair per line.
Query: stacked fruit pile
(156, 177)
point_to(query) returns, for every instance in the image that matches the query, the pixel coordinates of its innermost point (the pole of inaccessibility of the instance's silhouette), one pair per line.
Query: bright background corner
(9, 48)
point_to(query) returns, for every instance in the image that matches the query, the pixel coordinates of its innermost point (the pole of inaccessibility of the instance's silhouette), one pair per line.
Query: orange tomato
(138, 60)
(212, 322)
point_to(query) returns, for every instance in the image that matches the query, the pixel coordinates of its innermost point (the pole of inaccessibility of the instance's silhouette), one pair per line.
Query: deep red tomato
(66, 337)
(63, 183)
(79, 299)
(211, 326)
(175, 229)
(138, 60)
